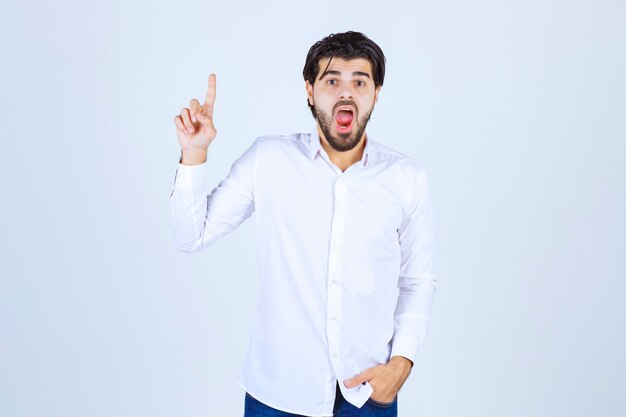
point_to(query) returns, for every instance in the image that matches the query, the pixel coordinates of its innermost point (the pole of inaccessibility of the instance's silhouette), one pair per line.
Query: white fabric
(345, 262)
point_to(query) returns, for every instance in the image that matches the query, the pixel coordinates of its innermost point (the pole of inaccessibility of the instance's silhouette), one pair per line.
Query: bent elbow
(424, 280)
(187, 247)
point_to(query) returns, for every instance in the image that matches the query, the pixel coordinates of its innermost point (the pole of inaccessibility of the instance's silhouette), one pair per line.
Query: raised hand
(194, 125)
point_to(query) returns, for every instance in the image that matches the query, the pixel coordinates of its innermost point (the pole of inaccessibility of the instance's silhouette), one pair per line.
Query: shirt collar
(315, 146)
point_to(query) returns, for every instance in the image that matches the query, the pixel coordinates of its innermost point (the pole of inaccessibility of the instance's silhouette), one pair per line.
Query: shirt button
(333, 317)
(334, 281)
(335, 355)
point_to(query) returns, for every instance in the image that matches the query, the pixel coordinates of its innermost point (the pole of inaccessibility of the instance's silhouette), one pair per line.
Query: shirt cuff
(404, 345)
(190, 177)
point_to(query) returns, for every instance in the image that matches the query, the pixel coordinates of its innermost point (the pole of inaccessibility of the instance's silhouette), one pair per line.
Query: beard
(342, 142)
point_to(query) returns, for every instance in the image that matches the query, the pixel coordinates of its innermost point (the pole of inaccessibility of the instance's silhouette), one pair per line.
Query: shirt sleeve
(201, 218)
(417, 280)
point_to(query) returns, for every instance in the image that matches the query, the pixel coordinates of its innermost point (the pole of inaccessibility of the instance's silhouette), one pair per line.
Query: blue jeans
(342, 408)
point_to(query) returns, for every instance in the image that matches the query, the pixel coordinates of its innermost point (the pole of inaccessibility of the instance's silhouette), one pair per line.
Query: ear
(309, 92)
(376, 93)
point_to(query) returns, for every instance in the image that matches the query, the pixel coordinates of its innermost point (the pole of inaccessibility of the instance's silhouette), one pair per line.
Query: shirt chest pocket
(376, 221)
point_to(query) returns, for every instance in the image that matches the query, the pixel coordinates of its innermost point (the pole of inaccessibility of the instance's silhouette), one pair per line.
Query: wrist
(402, 361)
(193, 157)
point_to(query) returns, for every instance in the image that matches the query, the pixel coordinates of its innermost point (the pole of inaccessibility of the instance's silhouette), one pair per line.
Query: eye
(360, 83)
(331, 82)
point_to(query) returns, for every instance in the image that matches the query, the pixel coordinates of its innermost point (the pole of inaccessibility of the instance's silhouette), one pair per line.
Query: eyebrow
(355, 73)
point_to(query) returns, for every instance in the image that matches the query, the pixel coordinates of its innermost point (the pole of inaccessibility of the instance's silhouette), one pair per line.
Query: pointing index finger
(210, 96)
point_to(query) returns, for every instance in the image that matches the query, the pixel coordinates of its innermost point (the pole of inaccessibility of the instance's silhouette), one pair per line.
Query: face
(343, 97)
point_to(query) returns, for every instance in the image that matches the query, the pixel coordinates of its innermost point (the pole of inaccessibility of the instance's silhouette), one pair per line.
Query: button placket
(334, 271)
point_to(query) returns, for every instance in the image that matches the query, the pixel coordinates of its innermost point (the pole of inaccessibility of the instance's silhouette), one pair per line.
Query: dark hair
(347, 45)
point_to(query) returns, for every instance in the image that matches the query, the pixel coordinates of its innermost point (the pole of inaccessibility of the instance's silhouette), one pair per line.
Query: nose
(346, 93)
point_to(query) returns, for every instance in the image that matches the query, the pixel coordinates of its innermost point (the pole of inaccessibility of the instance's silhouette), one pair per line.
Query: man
(344, 242)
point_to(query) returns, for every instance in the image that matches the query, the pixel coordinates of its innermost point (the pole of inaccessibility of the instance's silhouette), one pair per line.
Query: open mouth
(343, 120)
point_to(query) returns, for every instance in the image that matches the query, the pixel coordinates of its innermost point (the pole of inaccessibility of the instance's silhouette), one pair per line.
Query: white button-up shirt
(345, 262)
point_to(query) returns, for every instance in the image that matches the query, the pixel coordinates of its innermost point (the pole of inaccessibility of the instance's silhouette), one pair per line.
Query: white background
(516, 109)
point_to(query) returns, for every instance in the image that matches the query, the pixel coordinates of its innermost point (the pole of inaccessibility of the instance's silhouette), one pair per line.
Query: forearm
(188, 205)
(412, 315)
